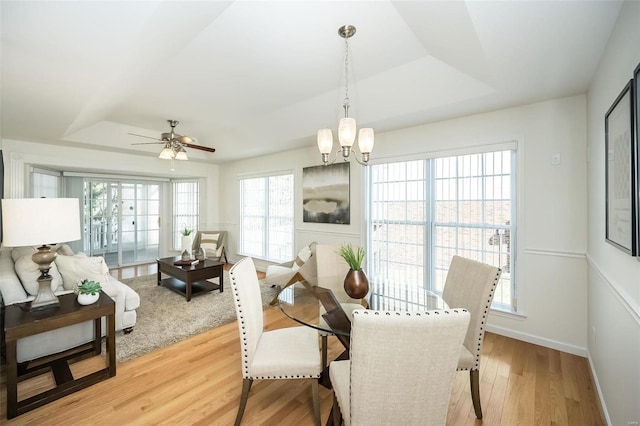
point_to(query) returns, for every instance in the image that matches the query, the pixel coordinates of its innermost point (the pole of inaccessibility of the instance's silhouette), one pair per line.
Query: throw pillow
(28, 273)
(79, 267)
(209, 243)
(301, 258)
(64, 250)
(18, 252)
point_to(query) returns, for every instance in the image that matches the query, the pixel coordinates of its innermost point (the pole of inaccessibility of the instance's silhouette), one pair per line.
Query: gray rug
(165, 317)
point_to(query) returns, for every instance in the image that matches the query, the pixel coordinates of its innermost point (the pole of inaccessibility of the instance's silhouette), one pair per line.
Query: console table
(20, 323)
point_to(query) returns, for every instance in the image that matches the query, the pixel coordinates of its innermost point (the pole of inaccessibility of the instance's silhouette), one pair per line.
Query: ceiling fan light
(347, 131)
(167, 154)
(181, 155)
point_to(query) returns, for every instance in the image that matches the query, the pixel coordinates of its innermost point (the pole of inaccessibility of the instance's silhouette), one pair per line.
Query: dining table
(323, 305)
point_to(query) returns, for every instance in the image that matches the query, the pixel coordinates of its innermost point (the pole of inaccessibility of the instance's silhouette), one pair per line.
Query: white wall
(19, 155)
(295, 161)
(551, 240)
(613, 276)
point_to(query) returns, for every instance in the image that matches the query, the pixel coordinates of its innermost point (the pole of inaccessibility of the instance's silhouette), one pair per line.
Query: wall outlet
(555, 158)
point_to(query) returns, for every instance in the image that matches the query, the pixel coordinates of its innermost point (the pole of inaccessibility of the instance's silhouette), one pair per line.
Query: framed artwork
(620, 173)
(636, 106)
(325, 194)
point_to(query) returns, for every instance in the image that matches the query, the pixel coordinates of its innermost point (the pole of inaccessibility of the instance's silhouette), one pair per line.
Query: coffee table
(190, 280)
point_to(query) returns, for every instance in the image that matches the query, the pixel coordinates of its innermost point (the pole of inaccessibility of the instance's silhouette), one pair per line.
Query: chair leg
(246, 387)
(474, 378)
(316, 401)
(324, 351)
(335, 411)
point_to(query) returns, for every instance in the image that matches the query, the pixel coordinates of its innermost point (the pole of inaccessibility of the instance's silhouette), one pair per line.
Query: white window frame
(429, 279)
(35, 191)
(267, 246)
(183, 219)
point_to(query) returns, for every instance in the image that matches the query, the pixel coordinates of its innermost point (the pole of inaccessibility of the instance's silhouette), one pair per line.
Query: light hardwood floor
(198, 382)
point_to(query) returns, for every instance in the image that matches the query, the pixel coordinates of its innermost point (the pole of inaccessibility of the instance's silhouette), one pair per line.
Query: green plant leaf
(89, 287)
(353, 257)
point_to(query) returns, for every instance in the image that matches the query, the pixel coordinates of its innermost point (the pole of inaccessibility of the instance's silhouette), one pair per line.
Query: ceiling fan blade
(144, 136)
(200, 147)
(148, 143)
(184, 139)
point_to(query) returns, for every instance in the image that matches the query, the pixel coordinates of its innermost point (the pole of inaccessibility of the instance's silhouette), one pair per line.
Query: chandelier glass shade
(347, 128)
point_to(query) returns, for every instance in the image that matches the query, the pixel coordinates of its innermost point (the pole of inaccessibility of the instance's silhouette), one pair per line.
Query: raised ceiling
(255, 77)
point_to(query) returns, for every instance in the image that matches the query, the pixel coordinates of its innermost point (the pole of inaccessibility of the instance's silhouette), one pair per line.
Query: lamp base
(45, 298)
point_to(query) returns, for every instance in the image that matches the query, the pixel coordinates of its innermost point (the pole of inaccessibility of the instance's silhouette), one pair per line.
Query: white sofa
(66, 271)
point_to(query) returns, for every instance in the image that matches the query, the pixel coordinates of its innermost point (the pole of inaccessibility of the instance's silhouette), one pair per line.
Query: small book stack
(186, 262)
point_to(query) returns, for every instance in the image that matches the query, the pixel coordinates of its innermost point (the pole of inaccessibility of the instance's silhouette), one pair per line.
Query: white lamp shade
(38, 221)
(166, 154)
(325, 141)
(181, 155)
(347, 131)
(365, 140)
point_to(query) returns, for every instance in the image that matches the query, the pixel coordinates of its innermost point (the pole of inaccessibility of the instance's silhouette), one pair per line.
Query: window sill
(508, 314)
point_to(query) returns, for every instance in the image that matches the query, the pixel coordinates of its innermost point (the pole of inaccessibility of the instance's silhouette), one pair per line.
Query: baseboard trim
(537, 340)
(594, 377)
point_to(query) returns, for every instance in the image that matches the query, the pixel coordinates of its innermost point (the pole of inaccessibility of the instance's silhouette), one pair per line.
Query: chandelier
(347, 125)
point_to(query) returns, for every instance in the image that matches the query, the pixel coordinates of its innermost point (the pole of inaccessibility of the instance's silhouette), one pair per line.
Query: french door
(122, 221)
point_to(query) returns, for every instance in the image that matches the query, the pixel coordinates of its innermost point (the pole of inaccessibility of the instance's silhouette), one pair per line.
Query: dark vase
(356, 284)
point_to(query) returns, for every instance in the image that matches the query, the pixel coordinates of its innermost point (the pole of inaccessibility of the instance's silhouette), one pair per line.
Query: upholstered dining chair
(471, 285)
(286, 353)
(401, 368)
(331, 270)
(213, 243)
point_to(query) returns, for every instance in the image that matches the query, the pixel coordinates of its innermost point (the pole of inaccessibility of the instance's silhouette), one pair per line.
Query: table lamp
(38, 222)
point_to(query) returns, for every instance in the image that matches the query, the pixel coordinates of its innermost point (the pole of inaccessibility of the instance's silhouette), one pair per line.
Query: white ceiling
(255, 77)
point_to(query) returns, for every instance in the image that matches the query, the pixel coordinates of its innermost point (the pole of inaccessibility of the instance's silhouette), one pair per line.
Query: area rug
(165, 317)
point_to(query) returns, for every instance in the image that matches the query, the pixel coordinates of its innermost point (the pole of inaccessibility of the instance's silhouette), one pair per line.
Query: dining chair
(471, 285)
(331, 270)
(286, 353)
(401, 368)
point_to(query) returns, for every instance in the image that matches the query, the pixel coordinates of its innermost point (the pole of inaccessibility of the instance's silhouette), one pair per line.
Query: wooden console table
(20, 323)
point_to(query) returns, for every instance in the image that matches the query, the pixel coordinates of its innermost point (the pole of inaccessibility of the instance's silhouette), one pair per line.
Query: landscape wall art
(325, 193)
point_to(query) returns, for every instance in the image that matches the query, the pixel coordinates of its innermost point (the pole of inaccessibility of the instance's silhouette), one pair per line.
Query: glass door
(122, 221)
(140, 226)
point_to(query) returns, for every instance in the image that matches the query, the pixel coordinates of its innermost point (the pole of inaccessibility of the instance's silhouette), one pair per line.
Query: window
(186, 207)
(46, 183)
(422, 212)
(266, 217)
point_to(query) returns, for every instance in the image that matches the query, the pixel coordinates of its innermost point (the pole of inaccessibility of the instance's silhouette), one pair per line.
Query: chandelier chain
(346, 75)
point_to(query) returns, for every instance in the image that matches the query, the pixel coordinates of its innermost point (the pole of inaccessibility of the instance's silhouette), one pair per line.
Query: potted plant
(187, 240)
(88, 292)
(356, 284)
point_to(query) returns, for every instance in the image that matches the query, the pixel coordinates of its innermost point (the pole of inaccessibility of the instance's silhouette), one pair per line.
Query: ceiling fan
(174, 144)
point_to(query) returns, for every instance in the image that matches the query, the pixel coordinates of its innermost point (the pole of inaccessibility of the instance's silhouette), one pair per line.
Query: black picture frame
(636, 112)
(621, 228)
